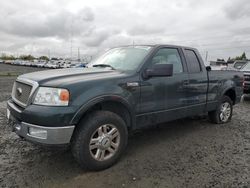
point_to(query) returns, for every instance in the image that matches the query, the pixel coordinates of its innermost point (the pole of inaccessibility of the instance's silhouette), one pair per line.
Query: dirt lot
(184, 153)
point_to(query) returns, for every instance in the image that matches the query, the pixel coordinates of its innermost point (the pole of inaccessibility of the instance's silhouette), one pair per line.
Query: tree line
(242, 57)
(22, 57)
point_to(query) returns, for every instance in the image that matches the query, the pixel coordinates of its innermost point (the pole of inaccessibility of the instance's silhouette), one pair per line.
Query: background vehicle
(246, 71)
(126, 88)
(51, 64)
(66, 64)
(41, 64)
(77, 65)
(238, 64)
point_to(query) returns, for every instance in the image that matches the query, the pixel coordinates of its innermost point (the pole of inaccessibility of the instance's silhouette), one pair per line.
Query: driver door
(163, 98)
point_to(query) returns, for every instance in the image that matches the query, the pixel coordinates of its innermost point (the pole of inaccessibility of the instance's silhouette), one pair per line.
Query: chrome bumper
(54, 135)
(47, 135)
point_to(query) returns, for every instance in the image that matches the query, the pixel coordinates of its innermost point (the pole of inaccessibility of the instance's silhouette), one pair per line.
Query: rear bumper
(51, 135)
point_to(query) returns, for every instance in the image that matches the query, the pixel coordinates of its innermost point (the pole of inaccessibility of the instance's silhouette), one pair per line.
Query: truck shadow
(155, 147)
(142, 144)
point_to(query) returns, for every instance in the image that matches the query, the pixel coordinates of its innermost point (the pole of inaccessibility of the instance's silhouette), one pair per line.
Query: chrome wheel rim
(104, 142)
(225, 111)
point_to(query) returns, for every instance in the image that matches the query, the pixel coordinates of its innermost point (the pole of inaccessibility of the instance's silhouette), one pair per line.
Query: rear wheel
(99, 140)
(224, 111)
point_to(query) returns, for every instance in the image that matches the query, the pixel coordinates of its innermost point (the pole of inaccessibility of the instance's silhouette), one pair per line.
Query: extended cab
(126, 88)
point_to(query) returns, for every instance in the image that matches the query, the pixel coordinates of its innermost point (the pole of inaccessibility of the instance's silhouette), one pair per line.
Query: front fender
(104, 98)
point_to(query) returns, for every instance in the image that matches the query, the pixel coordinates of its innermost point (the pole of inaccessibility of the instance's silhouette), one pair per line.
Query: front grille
(21, 92)
(247, 77)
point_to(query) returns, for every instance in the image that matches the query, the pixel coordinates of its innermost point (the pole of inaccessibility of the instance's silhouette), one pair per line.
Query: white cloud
(219, 27)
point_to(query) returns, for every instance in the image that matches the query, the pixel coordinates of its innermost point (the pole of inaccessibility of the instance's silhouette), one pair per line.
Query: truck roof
(157, 45)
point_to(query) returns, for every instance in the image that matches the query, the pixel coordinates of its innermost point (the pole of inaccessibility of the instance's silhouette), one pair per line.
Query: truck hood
(60, 77)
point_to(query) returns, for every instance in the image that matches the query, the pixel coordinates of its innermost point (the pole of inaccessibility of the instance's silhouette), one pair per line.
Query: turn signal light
(64, 95)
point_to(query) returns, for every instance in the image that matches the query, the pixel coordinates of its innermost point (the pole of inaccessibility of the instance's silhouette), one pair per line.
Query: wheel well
(115, 107)
(231, 94)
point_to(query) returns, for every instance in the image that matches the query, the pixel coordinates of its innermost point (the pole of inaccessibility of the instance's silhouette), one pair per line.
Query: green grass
(9, 74)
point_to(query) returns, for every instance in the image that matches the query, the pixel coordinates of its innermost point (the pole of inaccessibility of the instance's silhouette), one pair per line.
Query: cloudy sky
(38, 27)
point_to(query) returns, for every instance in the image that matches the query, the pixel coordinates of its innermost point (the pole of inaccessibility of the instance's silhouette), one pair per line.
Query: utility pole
(71, 49)
(49, 54)
(71, 36)
(206, 56)
(79, 57)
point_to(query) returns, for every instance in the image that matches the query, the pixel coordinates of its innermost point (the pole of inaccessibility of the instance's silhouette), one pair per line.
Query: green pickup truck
(93, 109)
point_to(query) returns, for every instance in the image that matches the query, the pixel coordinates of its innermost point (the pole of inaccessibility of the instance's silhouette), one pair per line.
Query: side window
(168, 56)
(192, 62)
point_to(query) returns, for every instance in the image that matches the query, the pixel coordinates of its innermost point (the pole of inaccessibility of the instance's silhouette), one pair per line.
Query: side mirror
(159, 70)
(208, 68)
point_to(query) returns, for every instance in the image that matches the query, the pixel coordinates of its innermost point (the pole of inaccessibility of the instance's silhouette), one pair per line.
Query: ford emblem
(19, 91)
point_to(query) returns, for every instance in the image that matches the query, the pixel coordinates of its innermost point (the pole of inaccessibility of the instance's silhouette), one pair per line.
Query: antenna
(79, 58)
(71, 36)
(49, 54)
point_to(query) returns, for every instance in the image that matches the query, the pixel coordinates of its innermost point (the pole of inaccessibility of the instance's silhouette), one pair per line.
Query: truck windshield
(123, 58)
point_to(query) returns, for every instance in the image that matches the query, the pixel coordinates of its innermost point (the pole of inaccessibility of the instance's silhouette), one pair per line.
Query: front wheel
(224, 111)
(99, 140)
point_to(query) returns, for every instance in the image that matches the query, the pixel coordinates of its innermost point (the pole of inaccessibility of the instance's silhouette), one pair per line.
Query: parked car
(238, 64)
(8, 62)
(125, 89)
(60, 64)
(41, 64)
(52, 65)
(24, 63)
(218, 65)
(27, 63)
(66, 65)
(16, 62)
(246, 71)
(77, 65)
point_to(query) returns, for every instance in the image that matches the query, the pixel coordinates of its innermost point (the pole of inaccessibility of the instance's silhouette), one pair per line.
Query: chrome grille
(21, 92)
(247, 77)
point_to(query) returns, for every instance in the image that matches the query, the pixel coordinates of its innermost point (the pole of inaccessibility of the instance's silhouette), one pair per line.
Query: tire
(216, 115)
(93, 133)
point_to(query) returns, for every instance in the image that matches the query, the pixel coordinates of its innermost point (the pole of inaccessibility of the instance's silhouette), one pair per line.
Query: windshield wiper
(104, 65)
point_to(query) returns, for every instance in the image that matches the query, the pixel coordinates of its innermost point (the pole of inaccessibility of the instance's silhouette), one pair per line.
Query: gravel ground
(183, 153)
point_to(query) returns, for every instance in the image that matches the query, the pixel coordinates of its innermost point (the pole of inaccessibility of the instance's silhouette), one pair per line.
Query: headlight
(52, 96)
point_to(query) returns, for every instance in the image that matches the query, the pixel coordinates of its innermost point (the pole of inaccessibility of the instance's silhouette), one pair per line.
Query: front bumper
(53, 135)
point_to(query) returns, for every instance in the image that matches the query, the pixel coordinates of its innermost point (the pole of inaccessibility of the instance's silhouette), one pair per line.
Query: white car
(51, 65)
(66, 65)
(41, 64)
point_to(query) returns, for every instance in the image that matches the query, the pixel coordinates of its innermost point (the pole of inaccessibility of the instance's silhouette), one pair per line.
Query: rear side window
(192, 62)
